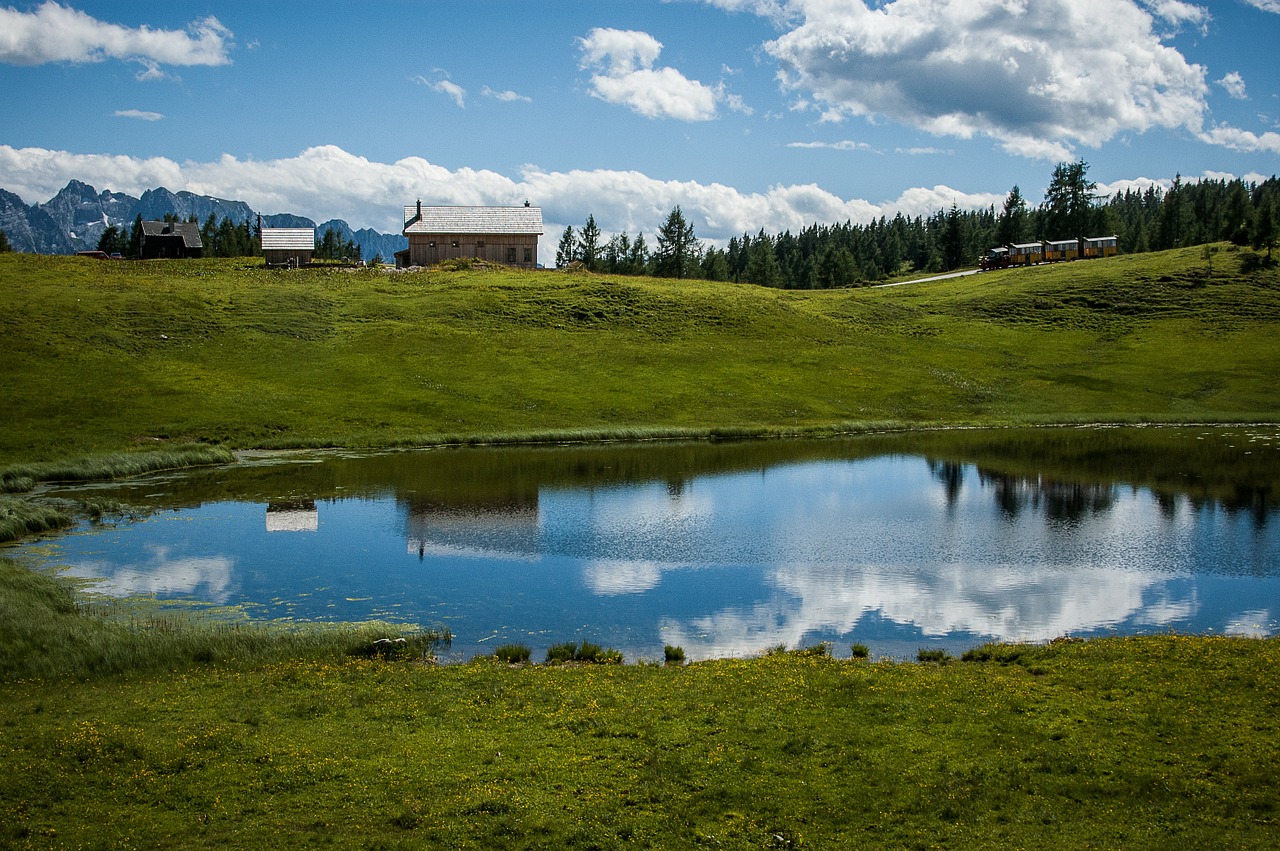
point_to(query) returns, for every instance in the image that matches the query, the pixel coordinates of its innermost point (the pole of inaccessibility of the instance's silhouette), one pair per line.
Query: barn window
(528, 255)
(511, 254)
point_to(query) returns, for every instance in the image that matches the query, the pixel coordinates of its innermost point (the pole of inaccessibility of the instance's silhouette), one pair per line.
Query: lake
(943, 539)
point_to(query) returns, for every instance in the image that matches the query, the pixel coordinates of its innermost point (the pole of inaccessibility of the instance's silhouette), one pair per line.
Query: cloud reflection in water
(162, 574)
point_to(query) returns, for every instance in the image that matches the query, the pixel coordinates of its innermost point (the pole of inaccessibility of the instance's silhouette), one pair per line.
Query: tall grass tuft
(47, 632)
(932, 655)
(19, 518)
(513, 654)
(117, 465)
(409, 647)
(560, 654)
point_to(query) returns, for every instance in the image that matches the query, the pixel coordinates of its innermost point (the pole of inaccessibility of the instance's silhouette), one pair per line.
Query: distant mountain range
(75, 218)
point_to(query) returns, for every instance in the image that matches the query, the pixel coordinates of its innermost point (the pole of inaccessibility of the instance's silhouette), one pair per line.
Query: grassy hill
(106, 356)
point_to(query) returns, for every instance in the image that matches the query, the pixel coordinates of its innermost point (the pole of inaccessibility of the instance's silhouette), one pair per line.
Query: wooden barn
(507, 235)
(170, 240)
(288, 246)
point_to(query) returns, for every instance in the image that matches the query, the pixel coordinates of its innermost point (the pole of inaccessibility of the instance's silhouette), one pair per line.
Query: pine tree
(1012, 225)
(953, 242)
(1235, 217)
(1173, 223)
(1263, 234)
(715, 265)
(638, 258)
(836, 268)
(4, 243)
(1069, 200)
(567, 250)
(112, 241)
(135, 239)
(209, 236)
(762, 263)
(678, 249)
(589, 243)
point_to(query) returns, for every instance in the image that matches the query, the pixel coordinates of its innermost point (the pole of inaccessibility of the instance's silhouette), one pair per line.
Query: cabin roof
(473, 220)
(188, 231)
(288, 239)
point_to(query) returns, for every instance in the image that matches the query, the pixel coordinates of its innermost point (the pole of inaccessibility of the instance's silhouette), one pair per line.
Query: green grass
(1118, 743)
(153, 728)
(102, 358)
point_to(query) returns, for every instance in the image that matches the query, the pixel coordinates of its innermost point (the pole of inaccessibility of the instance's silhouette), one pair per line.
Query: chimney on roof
(419, 208)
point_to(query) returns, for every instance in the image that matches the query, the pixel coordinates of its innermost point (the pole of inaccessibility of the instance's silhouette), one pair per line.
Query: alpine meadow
(128, 724)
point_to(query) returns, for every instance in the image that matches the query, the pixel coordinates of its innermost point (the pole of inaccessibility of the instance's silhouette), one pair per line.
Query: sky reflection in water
(891, 550)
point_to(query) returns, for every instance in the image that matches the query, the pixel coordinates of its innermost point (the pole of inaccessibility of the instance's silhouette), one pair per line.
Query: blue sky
(749, 114)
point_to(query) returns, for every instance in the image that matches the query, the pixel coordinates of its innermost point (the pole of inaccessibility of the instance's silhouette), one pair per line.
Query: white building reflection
(471, 529)
(293, 516)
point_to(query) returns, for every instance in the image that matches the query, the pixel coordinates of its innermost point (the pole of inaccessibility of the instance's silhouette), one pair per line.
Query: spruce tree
(1069, 200)
(678, 249)
(112, 241)
(1012, 226)
(135, 239)
(1263, 234)
(762, 263)
(567, 250)
(589, 243)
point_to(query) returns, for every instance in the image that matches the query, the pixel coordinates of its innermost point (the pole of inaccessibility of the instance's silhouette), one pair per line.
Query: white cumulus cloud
(842, 145)
(446, 87)
(507, 96)
(1234, 84)
(57, 33)
(328, 182)
(1040, 77)
(627, 77)
(1177, 12)
(1242, 140)
(141, 114)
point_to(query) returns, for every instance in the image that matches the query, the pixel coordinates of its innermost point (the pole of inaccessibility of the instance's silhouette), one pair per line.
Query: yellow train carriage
(1062, 249)
(1102, 246)
(1025, 253)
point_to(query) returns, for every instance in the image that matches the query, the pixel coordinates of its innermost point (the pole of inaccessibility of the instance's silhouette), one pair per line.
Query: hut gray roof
(288, 239)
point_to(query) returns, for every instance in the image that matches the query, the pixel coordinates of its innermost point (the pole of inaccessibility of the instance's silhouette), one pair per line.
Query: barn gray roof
(477, 220)
(288, 239)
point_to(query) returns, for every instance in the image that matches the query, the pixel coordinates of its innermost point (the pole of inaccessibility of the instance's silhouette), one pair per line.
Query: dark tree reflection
(951, 475)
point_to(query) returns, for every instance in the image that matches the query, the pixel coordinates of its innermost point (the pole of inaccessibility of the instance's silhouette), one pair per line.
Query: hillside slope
(100, 356)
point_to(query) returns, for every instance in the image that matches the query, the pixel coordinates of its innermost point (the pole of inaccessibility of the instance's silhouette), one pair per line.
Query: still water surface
(895, 541)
